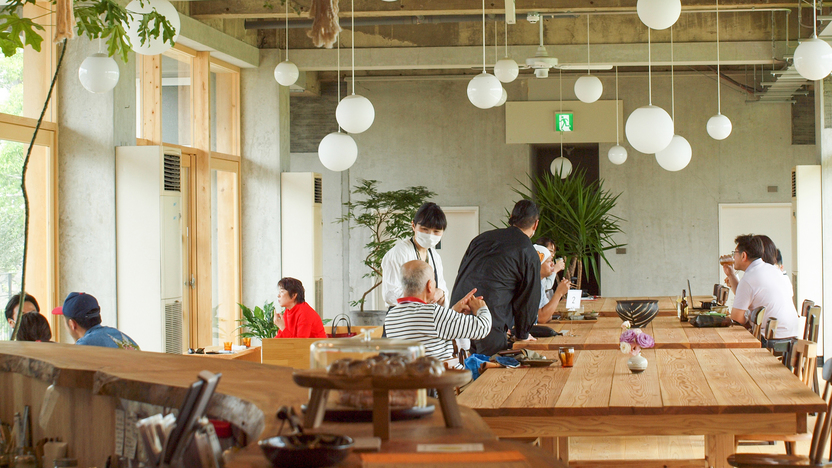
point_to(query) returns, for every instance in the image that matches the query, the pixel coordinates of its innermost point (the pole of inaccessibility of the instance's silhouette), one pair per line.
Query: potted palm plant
(577, 214)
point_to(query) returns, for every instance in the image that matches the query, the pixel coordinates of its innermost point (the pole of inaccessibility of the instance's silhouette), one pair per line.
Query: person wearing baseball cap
(548, 305)
(83, 319)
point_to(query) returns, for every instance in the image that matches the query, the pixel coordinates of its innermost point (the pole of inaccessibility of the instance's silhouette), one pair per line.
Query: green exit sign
(563, 122)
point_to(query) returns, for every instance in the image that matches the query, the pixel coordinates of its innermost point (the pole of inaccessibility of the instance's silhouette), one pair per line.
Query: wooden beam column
(151, 100)
(202, 142)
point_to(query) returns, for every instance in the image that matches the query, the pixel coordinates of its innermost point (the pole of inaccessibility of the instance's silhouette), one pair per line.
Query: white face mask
(426, 240)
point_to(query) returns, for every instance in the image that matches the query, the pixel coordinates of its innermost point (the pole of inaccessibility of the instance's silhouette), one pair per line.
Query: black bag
(708, 321)
(541, 331)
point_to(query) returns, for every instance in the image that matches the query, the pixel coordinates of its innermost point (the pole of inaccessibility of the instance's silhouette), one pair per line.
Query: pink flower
(644, 340)
(628, 336)
(635, 351)
(626, 325)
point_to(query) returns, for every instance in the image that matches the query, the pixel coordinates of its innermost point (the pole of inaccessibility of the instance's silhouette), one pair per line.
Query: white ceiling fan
(541, 62)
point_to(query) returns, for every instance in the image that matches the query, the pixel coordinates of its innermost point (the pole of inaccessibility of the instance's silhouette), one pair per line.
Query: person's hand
(279, 321)
(559, 265)
(463, 305)
(563, 288)
(475, 303)
(729, 270)
(438, 297)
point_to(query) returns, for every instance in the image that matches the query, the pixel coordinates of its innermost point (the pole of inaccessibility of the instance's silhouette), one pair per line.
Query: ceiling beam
(461, 58)
(252, 9)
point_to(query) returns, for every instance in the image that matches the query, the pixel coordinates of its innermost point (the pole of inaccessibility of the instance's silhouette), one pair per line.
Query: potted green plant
(577, 215)
(257, 323)
(388, 216)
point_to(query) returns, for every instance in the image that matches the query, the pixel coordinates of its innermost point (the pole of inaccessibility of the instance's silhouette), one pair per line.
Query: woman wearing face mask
(429, 224)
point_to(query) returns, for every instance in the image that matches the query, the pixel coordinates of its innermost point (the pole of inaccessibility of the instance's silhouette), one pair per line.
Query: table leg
(450, 410)
(316, 408)
(549, 445)
(718, 448)
(381, 414)
(563, 449)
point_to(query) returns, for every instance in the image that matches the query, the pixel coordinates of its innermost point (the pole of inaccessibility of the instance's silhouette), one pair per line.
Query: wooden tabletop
(668, 333)
(605, 306)
(718, 393)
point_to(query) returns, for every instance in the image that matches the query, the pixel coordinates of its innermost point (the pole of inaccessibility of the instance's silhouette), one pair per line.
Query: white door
(463, 226)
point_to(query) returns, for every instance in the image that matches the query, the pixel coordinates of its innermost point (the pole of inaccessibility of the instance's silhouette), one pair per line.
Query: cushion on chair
(760, 460)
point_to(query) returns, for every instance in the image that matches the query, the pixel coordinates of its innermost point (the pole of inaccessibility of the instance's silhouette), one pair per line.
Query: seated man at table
(548, 305)
(83, 319)
(434, 325)
(761, 285)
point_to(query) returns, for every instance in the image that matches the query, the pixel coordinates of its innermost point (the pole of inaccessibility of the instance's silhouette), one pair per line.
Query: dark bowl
(307, 450)
(638, 312)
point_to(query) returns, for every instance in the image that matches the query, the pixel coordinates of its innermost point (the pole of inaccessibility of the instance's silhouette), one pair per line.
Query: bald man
(434, 325)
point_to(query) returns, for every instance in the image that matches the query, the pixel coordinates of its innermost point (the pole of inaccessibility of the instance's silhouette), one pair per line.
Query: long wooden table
(718, 393)
(668, 333)
(605, 306)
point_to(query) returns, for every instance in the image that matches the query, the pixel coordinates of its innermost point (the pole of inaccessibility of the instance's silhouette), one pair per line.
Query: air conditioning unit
(149, 247)
(301, 195)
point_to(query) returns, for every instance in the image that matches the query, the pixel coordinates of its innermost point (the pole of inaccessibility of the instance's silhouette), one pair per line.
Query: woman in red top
(299, 320)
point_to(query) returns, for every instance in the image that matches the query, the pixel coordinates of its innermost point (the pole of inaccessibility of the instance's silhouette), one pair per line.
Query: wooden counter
(91, 381)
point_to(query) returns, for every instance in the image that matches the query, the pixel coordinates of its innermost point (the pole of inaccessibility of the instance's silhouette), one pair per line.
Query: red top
(410, 299)
(302, 322)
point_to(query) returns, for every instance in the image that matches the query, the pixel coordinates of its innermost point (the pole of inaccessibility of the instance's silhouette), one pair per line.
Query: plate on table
(538, 362)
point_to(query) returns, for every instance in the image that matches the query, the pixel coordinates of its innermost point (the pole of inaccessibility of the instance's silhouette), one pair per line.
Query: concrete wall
(265, 143)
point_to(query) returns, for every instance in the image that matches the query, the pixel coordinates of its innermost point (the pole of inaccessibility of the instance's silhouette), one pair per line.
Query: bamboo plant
(577, 215)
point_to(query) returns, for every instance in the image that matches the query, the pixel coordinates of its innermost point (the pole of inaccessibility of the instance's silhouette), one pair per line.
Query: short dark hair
(34, 327)
(769, 250)
(779, 258)
(750, 244)
(430, 216)
(14, 301)
(87, 322)
(293, 287)
(545, 241)
(524, 214)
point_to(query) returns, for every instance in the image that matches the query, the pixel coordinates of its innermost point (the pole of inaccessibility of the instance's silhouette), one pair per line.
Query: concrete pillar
(823, 129)
(265, 143)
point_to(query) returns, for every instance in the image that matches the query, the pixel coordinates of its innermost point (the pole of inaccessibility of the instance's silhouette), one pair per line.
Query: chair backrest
(717, 287)
(771, 326)
(289, 352)
(820, 435)
(804, 360)
(804, 308)
(810, 332)
(722, 295)
(756, 320)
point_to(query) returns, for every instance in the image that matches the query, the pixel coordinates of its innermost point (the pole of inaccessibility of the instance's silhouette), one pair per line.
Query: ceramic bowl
(307, 450)
(638, 312)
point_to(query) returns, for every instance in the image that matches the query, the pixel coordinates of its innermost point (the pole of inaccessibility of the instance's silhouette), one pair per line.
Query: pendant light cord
(672, 82)
(587, 44)
(718, 88)
(352, 18)
(505, 30)
(649, 68)
(483, 36)
(338, 78)
(287, 29)
(496, 46)
(616, 106)
(814, 19)
(560, 95)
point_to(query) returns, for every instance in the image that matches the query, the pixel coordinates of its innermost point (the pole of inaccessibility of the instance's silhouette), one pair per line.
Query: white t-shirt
(402, 252)
(763, 285)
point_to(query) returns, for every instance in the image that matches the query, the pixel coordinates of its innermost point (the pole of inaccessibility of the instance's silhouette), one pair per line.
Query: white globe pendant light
(617, 154)
(355, 113)
(503, 99)
(649, 129)
(659, 14)
(152, 46)
(286, 73)
(98, 73)
(719, 126)
(484, 90)
(506, 70)
(561, 167)
(813, 57)
(676, 156)
(588, 88)
(337, 151)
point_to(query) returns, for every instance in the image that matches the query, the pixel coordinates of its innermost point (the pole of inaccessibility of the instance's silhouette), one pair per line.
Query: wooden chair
(289, 352)
(722, 295)
(810, 332)
(804, 308)
(756, 320)
(820, 437)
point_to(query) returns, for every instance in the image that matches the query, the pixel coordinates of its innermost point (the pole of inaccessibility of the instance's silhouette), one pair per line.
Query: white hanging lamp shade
(503, 99)
(337, 151)
(561, 167)
(485, 90)
(676, 156)
(617, 155)
(506, 70)
(98, 73)
(286, 73)
(588, 88)
(649, 129)
(659, 14)
(813, 59)
(355, 113)
(719, 127)
(153, 46)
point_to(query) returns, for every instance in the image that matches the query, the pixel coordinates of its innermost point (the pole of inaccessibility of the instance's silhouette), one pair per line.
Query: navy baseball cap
(78, 305)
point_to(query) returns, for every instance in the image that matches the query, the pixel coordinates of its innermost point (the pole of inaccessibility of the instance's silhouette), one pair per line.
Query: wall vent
(173, 327)
(172, 172)
(794, 184)
(319, 191)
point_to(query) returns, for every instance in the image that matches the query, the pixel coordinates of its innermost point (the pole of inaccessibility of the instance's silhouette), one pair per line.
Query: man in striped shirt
(433, 325)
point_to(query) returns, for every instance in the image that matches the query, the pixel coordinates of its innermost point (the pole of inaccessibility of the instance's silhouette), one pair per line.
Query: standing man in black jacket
(505, 268)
